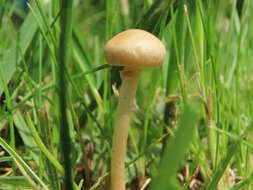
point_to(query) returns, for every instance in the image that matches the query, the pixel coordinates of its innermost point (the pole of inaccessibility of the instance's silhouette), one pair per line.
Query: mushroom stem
(130, 80)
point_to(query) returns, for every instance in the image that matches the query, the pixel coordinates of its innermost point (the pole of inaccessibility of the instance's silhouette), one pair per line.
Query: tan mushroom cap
(135, 48)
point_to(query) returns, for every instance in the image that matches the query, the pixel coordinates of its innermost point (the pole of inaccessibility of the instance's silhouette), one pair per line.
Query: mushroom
(132, 49)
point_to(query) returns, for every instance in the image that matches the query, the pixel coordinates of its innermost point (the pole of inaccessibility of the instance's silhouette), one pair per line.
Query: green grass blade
(153, 15)
(177, 52)
(26, 135)
(41, 145)
(26, 35)
(44, 130)
(8, 158)
(64, 50)
(176, 150)
(242, 183)
(9, 107)
(19, 159)
(81, 74)
(221, 169)
(45, 21)
(17, 181)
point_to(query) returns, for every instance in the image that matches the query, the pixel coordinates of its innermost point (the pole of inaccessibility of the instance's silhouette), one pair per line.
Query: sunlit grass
(173, 141)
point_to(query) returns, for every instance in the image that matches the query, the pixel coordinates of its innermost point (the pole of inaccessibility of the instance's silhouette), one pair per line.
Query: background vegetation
(192, 124)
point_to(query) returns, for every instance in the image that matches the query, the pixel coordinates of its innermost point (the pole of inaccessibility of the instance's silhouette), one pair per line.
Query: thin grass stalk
(46, 23)
(23, 171)
(79, 136)
(222, 168)
(9, 107)
(19, 181)
(41, 145)
(65, 40)
(19, 159)
(44, 34)
(18, 50)
(40, 70)
(242, 183)
(44, 133)
(178, 31)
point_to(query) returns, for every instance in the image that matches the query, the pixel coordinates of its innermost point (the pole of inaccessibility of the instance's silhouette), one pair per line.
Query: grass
(191, 127)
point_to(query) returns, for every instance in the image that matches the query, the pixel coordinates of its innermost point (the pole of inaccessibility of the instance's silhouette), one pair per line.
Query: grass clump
(56, 88)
